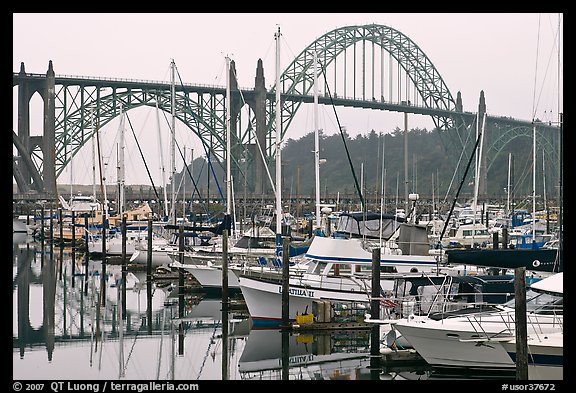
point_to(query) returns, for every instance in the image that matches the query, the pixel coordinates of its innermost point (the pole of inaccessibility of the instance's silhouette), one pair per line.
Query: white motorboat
(339, 271)
(474, 339)
(253, 252)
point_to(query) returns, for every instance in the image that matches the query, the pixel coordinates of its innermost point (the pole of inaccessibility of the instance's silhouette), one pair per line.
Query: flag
(388, 303)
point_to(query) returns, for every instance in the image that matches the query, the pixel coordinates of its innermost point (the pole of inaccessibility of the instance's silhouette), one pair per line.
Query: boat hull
(160, 257)
(545, 356)
(264, 299)
(475, 342)
(210, 277)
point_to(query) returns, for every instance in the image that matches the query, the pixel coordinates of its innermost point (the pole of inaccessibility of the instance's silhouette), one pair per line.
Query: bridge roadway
(403, 106)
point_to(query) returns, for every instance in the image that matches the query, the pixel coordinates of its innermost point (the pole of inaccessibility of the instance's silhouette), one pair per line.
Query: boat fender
(385, 351)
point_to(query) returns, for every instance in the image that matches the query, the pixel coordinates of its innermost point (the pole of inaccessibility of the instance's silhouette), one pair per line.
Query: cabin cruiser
(479, 338)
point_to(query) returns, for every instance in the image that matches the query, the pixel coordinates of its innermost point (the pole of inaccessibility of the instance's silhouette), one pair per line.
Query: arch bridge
(368, 66)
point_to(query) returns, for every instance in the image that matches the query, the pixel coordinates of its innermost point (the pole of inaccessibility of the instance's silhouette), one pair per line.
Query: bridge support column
(261, 130)
(49, 134)
(258, 105)
(235, 106)
(24, 96)
(25, 172)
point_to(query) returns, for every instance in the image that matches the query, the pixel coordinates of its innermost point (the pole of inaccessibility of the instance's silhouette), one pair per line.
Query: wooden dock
(318, 326)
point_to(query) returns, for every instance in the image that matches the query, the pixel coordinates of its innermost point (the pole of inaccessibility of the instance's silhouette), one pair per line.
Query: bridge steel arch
(455, 127)
(204, 118)
(298, 78)
(83, 104)
(79, 102)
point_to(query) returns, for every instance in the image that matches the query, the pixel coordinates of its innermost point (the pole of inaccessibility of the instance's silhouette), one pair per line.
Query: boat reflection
(63, 329)
(328, 356)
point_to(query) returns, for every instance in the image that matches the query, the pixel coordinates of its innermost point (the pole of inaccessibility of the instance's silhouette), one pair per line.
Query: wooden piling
(225, 299)
(285, 281)
(124, 265)
(521, 326)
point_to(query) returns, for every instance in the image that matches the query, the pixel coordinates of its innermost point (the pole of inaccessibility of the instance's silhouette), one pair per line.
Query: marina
(256, 256)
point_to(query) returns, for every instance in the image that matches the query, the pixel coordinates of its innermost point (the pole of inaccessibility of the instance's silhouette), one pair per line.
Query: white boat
(162, 247)
(257, 241)
(419, 295)
(26, 224)
(114, 244)
(209, 275)
(471, 339)
(19, 224)
(339, 271)
(469, 235)
(466, 215)
(254, 252)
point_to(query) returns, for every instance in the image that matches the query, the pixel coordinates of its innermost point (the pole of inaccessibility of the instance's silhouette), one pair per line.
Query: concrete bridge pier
(257, 103)
(27, 175)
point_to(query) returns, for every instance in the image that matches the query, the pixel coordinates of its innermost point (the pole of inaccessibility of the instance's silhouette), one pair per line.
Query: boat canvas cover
(360, 224)
(413, 239)
(544, 260)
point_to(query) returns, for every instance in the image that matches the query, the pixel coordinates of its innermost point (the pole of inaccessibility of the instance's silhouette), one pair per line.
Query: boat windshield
(541, 303)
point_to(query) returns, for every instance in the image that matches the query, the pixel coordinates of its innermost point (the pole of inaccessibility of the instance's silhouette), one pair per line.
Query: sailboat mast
(162, 168)
(560, 189)
(71, 178)
(560, 156)
(433, 201)
(121, 169)
(94, 159)
(382, 193)
(102, 188)
(508, 187)
(184, 184)
(478, 160)
(316, 141)
(228, 144)
(173, 140)
(406, 201)
(544, 181)
(278, 141)
(533, 184)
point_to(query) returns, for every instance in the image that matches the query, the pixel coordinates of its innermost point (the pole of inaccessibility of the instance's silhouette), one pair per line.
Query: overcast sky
(512, 57)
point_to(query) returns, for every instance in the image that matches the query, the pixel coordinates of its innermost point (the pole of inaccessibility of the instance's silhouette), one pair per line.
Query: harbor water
(69, 324)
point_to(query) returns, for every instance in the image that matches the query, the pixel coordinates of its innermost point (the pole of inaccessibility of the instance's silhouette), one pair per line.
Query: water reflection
(334, 355)
(70, 323)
